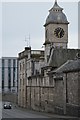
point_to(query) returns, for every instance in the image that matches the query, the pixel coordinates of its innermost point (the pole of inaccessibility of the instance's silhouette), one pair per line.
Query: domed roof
(56, 15)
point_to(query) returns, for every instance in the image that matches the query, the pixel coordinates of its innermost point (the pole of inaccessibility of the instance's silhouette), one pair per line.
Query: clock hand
(59, 33)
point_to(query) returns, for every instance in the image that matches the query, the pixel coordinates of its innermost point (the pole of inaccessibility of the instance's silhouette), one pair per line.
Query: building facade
(68, 76)
(45, 89)
(30, 62)
(9, 74)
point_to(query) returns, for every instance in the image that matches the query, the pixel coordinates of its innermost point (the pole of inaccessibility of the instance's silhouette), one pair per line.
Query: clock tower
(56, 29)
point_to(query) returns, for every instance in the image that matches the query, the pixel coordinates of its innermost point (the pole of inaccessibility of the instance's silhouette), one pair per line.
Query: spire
(55, 2)
(56, 7)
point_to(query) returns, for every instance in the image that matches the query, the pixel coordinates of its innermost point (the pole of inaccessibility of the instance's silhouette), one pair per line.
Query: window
(14, 63)
(14, 72)
(23, 65)
(44, 81)
(41, 83)
(2, 77)
(9, 74)
(20, 82)
(28, 65)
(2, 62)
(51, 80)
(3, 74)
(20, 66)
(23, 81)
(33, 67)
(9, 63)
(2, 84)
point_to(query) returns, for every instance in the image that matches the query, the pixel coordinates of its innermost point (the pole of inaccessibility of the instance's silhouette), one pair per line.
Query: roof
(60, 56)
(56, 15)
(69, 66)
(37, 54)
(56, 6)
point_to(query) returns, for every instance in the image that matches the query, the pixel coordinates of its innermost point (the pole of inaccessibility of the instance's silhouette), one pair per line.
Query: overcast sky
(19, 19)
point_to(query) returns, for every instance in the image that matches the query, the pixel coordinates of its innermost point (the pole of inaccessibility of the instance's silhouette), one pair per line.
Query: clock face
(59, 32)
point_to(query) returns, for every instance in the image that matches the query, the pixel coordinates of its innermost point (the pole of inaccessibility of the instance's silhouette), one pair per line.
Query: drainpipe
(65, 91)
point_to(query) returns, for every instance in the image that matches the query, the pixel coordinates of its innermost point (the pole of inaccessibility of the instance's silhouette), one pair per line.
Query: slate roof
(69, 66)
(61, 56)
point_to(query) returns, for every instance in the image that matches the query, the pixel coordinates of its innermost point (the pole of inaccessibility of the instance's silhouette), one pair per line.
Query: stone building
(68, 76)
(47, 91)
(44, 88)
(30, 62)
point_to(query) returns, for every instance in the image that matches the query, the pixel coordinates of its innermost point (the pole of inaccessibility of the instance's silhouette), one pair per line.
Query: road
(0, 108)
(17, 112)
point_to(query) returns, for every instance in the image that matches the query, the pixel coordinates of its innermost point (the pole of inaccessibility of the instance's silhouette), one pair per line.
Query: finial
(55, 1)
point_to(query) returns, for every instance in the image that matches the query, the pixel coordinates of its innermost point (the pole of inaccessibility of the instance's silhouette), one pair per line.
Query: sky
(24, 19)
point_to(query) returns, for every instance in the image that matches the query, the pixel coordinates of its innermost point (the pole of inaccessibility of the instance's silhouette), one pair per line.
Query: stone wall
(79, 91)
(50, 98)
(47, 98)
(40, 98)
(72, 93)
(72, 88)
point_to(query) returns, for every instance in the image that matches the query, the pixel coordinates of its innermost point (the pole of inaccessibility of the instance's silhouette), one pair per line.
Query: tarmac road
(17, 112)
